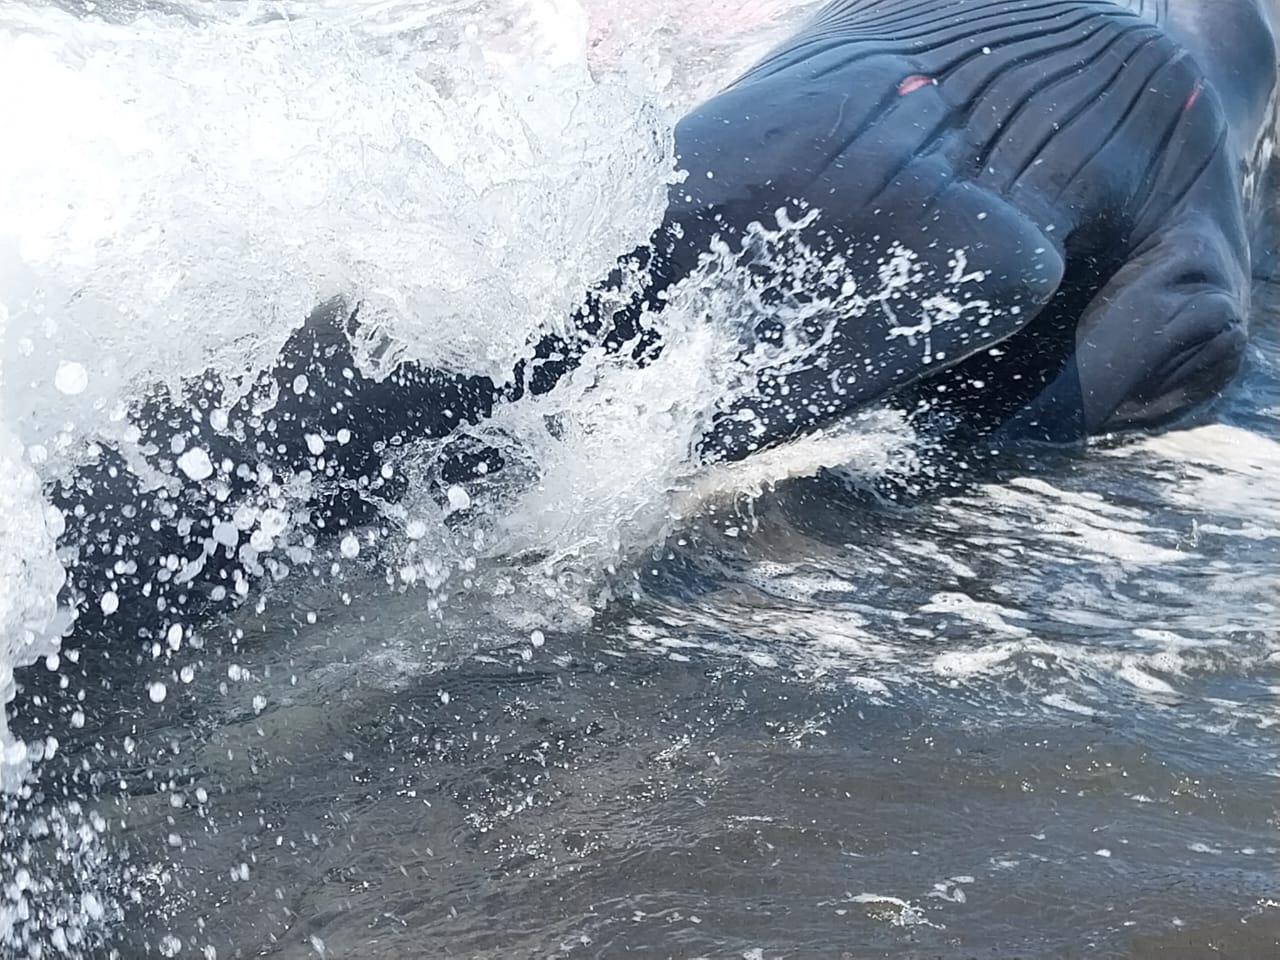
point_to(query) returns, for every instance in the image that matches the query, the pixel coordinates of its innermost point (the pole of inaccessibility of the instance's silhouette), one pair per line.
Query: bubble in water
(109, 603)
(350, 546)
(157, 692)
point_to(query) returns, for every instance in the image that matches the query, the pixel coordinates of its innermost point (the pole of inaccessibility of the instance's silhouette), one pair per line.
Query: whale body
(1097, 162)
(1090, 170)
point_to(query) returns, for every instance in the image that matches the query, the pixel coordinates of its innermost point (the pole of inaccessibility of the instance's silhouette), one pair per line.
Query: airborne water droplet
(71, 378)
(459, 499)
(195, 464)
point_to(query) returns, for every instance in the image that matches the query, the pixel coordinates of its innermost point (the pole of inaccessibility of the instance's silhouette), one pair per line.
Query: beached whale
(1089, 169)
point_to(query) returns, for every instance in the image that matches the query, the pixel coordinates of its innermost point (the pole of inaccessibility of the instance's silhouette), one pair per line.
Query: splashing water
(218, 170)
(465, 172)
(220, 176)
(30, 577)
(195, 177)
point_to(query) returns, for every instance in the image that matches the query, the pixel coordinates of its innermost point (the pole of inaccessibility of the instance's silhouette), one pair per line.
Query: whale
(1097, 162)
(1091, 173)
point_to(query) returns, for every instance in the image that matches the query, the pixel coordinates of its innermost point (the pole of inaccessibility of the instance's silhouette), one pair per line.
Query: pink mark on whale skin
(1191, 98)
(913, 82)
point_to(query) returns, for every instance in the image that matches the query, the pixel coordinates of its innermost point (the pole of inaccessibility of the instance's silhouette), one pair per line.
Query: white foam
(30, 577)
(967, 663)
(1063, 702)
(876, 441)
(124, 221)
(899, 912)
(1084, 522)
(1224, 469)
(990, 615)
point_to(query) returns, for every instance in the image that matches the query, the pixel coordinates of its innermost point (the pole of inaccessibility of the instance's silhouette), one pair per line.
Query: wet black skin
(1105, 148)
(1091, 158)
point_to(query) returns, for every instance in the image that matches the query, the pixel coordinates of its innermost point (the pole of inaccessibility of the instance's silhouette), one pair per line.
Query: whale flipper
(1163, 336)
(985, 272)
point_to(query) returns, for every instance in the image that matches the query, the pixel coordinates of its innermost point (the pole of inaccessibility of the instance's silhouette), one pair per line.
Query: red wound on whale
(1191, 97)
(913, 82)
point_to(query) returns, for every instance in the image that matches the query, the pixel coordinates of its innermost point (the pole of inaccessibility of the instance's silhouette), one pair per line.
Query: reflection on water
(1030, 711)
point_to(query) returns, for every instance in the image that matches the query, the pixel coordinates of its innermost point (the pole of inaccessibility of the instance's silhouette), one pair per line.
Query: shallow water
(1031, 714)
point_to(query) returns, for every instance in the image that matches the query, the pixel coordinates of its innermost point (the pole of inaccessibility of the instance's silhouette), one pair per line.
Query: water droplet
(459, 499)
(91, 906)
(195, 464)
(71, 378)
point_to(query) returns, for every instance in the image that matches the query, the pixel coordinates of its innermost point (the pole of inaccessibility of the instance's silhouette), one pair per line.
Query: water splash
(218, 170)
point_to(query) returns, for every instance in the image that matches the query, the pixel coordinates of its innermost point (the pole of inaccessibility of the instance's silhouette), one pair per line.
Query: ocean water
(841, 700)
